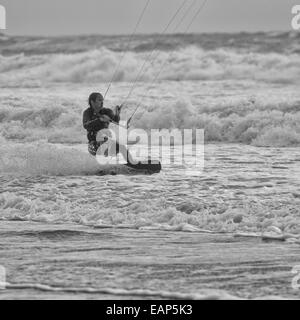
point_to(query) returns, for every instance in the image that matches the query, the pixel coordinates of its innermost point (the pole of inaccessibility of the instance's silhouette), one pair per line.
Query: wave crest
(191, 63)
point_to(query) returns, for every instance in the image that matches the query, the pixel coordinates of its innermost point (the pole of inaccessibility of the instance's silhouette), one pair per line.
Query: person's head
(96, 101)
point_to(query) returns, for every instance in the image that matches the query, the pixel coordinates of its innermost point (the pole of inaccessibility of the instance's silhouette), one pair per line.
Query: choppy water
(259, 188)
(69, 262)
(55, 230)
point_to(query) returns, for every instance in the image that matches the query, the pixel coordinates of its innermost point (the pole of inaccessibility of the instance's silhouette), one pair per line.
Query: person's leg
(120, 148)
(93, 147)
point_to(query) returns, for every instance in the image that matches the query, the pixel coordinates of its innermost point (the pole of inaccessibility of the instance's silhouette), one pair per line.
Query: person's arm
(89, 124)
(117, 114)
(114, 117)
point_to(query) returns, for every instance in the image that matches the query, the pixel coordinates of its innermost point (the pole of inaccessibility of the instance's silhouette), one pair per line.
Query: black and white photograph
(149, 150)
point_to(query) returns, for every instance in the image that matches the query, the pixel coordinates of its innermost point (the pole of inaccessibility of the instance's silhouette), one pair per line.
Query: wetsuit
(93, 124)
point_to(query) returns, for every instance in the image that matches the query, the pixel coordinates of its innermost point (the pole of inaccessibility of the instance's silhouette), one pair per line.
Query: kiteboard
(143, 168)
(147, 167)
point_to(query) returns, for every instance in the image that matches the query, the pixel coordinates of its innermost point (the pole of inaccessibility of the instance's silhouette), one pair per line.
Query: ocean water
(229, 231)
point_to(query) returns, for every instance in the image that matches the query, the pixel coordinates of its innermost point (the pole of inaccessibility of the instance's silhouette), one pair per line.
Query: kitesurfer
(97, 118)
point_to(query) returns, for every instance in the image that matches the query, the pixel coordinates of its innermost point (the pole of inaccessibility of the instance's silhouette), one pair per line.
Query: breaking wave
(258, 122)
(191, 63)
(263, 219)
